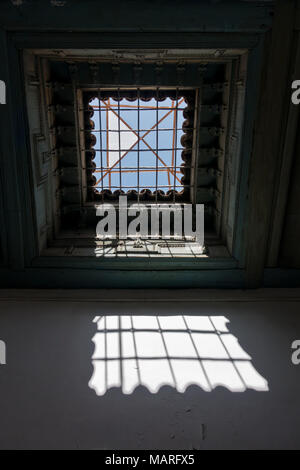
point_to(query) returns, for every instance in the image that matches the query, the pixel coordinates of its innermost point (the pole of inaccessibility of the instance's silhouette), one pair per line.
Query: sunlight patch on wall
(178, 351)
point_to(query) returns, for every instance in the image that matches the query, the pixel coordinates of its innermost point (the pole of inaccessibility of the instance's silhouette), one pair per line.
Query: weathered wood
(281, 205)
(289, 254)
(267, 136)
(11, 227)
(181, 15)
(122, 279)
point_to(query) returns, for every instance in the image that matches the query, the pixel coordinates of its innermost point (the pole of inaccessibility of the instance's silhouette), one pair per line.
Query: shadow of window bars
(170, 350)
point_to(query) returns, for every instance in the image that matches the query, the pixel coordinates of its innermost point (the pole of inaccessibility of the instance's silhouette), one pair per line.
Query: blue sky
(127, 139)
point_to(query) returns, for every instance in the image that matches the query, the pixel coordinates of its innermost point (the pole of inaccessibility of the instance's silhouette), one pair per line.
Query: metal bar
(133, 107)
(157, 122)
(196, 145)
(129, 170)
(101, 149)
(120, 168)
(138, 152)
(135, 130)
(148, 186)
(142, 150)
(107, 143)
(98, 168)
(175, 156)
(173, 141)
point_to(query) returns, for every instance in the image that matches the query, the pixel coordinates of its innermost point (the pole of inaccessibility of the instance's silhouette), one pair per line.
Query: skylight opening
(137, 144)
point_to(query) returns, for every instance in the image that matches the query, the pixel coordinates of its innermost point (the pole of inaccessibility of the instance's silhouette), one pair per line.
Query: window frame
(188, 154)
(212, 263)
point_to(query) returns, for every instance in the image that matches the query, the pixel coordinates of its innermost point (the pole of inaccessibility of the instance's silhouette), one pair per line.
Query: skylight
(138, 144)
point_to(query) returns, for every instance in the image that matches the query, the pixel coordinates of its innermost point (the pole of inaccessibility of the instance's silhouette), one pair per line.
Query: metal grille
(138, 143)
